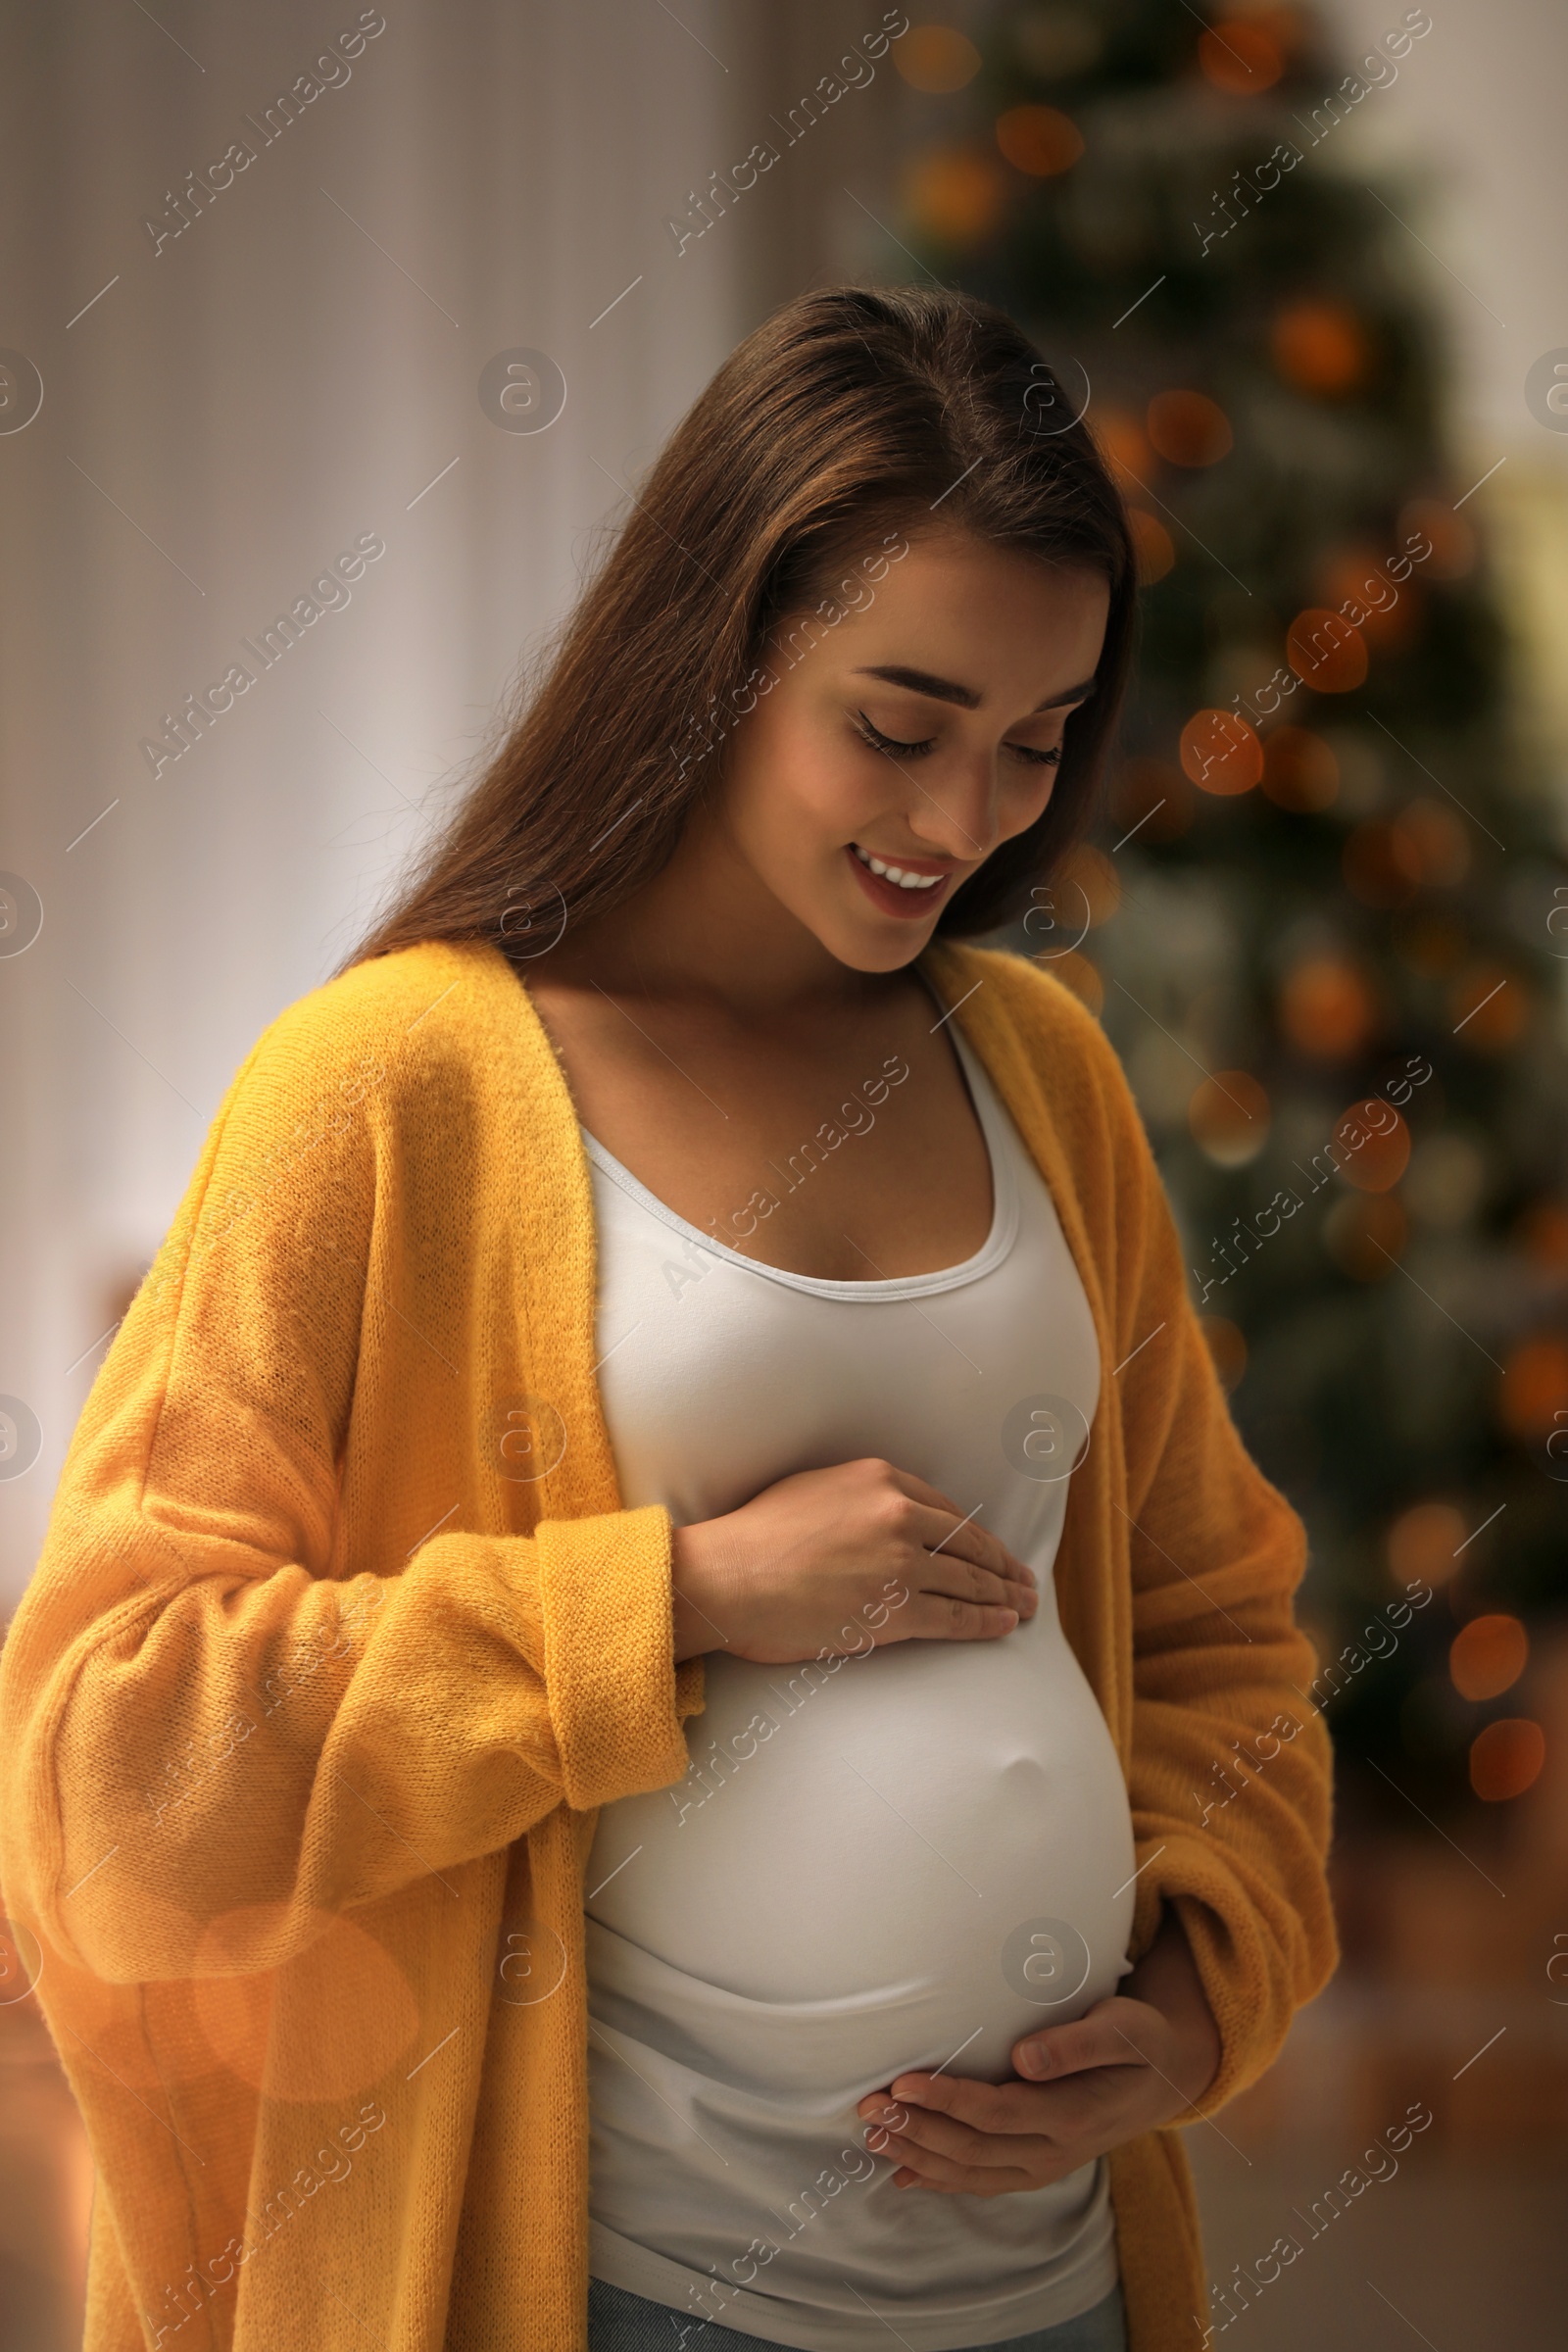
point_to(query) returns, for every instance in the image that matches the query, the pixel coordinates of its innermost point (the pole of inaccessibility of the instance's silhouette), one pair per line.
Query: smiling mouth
(901, 876)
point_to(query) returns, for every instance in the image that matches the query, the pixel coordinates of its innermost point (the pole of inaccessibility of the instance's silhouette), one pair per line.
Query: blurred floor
(1464, 2256)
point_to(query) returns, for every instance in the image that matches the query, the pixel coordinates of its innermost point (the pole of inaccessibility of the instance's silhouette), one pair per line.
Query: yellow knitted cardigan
(340, 1635)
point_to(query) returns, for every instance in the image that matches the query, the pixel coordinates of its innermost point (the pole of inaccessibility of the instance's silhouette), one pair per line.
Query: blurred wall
(1474, 124)
(239, 383)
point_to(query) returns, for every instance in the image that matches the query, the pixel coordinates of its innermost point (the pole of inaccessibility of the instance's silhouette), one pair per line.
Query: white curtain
(261, 257)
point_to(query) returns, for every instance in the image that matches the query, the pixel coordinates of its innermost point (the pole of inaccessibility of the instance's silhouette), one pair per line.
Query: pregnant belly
(898, 1860)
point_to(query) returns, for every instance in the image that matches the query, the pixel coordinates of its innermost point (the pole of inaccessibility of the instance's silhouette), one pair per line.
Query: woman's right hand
(831, 1561)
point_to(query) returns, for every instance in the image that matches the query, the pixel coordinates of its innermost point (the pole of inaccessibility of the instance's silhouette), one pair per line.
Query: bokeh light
(1039, 139)
(1229, 1115)
(1505, 1758)
(1299, 770)
(1221, 753)
(1327, 1007)
(1152, 546)
(936, 59)
(1187, 428)
(1240, 58)
(1487, 1656)
(1319, 347)
(1326, 652)
(1423, 1542)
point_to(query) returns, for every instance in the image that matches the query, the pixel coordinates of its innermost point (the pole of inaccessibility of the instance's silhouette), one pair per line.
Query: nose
(955, 815)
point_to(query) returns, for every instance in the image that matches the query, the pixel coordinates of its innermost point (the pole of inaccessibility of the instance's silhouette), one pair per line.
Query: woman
(639, 1621)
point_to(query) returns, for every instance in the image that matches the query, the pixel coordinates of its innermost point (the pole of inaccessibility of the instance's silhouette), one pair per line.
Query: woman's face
(915, 734)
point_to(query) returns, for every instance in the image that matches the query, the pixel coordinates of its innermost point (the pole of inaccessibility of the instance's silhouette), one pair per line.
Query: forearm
(1167, 1979)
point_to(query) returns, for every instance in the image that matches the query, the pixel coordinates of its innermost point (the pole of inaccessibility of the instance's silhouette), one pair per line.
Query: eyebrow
(948, 690)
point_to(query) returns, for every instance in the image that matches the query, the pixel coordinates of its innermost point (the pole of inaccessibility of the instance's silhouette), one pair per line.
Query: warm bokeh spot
(1372, 1144)
(1241, 59)
(1487, 1656)
(1320, 347)
(1122, 437)
(326, 2026)
(955, 194)
(1453, 541)
(1088, 870)
(1541, 1232)
(1076, 972)
(1381, 865)
(1187, 428)
(1506, 1758)
(1534, 1388)
(1229, 1116)
(1424, 1542)
(1151, 799)
(1435, 841)
(1326, 652)
(1364, 1234)
(1488, 1008)
(1152, 546)
(1327, 1007)
(1299, 770)
(1387, 613)
(1221, 753)
(1227, 1347)
(936, 59)
(1039, 139)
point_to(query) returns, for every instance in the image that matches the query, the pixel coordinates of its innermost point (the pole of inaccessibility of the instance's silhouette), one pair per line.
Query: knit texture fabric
(340, 1635)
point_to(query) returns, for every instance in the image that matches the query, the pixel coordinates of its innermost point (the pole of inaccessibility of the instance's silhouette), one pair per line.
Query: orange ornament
(1221, 753)
(1039, 139)
(1187, 428)
(1320, 347)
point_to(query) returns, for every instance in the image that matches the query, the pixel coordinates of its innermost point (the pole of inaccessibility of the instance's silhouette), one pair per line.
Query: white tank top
(904, 1858)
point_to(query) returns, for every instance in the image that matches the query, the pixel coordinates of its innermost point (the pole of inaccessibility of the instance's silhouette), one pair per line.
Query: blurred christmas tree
(1317, 916)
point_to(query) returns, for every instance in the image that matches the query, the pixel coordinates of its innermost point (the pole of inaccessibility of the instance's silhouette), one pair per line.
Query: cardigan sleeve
(1231, 1775)
(203, 1719)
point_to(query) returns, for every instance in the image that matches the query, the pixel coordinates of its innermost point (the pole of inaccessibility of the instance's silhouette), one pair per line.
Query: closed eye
(1021, 751)
(890, 744)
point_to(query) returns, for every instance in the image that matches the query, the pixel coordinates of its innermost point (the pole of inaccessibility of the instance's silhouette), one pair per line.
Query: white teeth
(896, 873)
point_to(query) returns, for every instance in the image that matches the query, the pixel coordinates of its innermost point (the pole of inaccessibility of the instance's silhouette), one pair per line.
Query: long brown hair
(849, 418)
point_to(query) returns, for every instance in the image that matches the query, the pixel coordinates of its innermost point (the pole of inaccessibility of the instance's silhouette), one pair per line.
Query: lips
(908, 900)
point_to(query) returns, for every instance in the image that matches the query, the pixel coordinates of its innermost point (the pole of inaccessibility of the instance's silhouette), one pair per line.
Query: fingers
(1107, 2036)
(934, 2150)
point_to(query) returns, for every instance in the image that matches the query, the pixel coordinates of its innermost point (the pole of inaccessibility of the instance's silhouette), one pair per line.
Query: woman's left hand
(1135, 2061)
